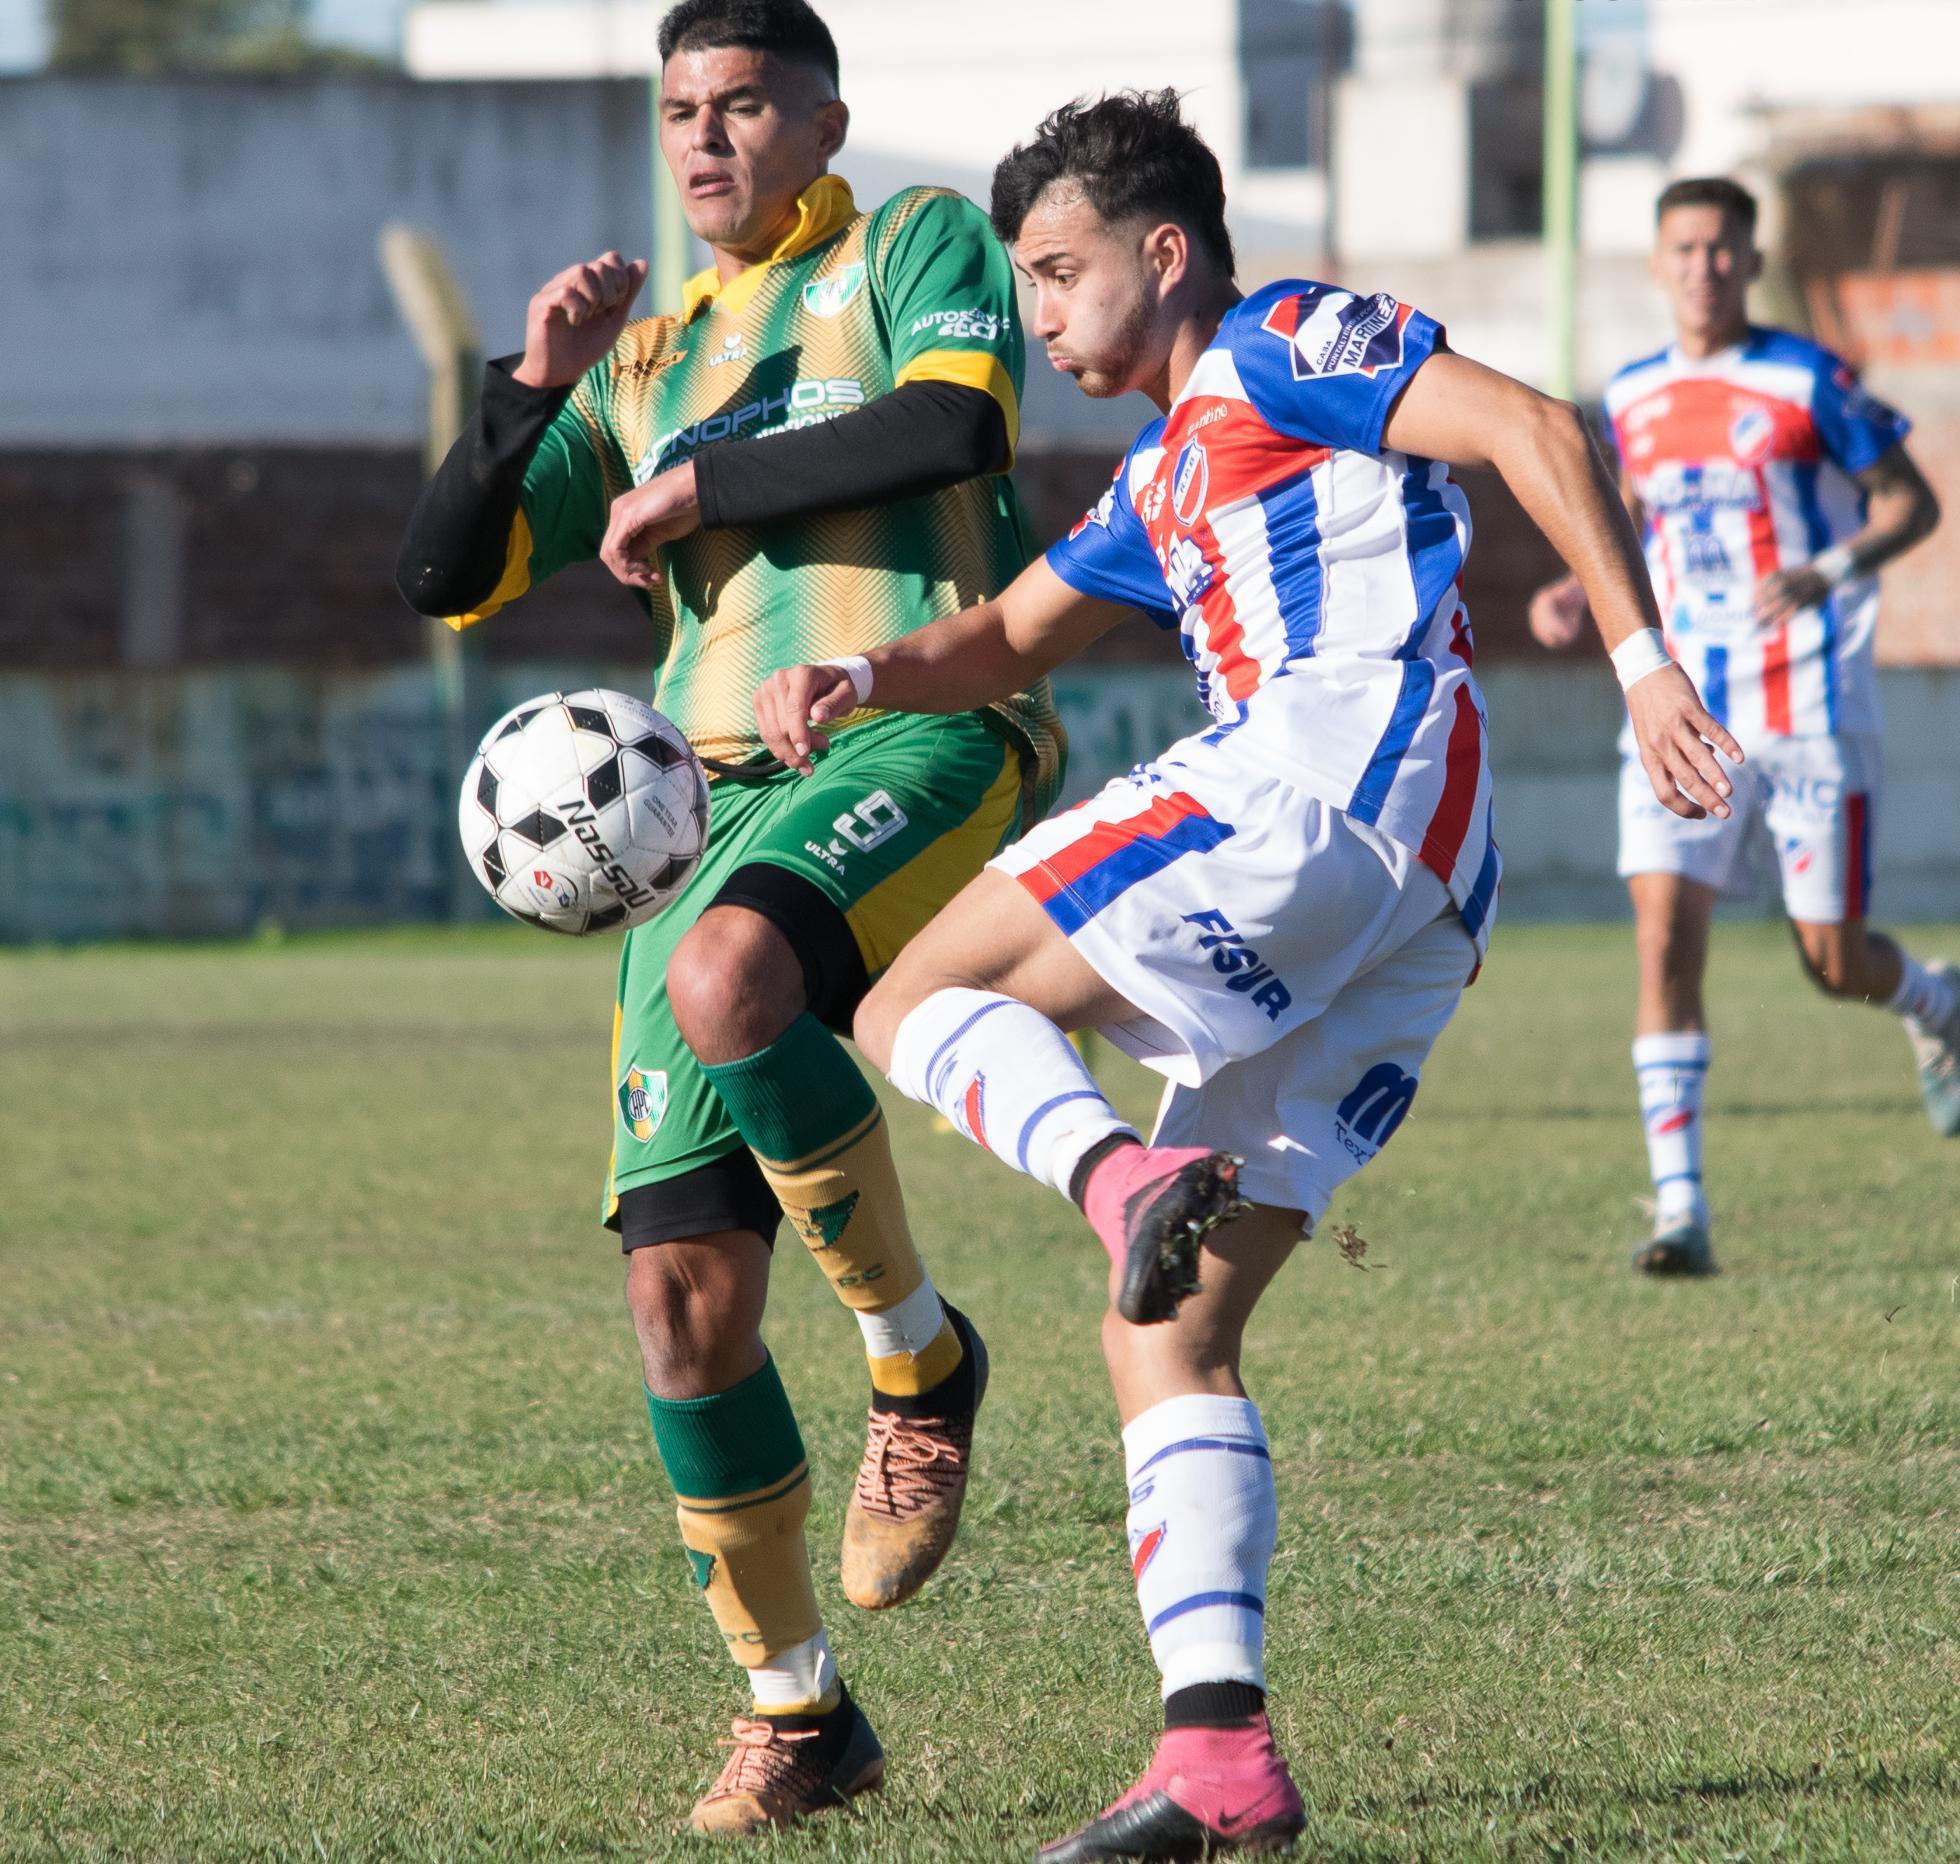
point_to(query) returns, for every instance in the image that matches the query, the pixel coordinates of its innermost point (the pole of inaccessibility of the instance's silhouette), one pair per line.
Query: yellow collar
(822, 207)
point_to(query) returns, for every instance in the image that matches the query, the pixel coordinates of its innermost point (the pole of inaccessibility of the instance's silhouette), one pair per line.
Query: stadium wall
(204, 803)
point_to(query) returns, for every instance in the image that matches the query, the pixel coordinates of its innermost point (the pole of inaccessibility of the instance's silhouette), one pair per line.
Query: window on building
(1290, 53)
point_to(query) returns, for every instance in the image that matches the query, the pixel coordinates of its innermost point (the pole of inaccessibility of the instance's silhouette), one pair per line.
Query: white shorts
(1816, 801)
(1293, 966)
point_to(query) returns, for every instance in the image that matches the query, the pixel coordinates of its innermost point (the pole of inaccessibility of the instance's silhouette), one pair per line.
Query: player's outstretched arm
(956, 664)
(1901, 510)
(1459, 411)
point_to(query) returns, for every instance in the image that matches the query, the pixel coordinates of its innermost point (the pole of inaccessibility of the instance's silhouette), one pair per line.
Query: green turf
(330, 1527)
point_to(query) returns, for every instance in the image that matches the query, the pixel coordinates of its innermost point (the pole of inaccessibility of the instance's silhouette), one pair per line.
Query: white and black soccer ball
(584, 812)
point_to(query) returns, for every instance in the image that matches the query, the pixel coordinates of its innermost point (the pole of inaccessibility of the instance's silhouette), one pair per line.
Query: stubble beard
(1116, 364)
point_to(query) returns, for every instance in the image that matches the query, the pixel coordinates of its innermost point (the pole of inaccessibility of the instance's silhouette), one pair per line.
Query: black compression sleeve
(920, 438)
(453, 553)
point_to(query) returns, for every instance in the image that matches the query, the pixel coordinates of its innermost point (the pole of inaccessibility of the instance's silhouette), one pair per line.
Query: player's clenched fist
(577, 318)
(791, 705)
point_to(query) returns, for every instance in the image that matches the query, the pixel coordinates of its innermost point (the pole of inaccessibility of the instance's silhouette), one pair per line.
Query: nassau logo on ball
(643, 1101)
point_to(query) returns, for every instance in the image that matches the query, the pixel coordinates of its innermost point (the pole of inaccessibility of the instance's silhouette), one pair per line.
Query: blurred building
(213, 706)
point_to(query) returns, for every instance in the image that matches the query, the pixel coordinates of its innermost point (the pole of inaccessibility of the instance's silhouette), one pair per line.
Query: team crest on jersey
(1190, 480)
(1752, 434)
(825, 297)
(643, 1100)
(1332, 332)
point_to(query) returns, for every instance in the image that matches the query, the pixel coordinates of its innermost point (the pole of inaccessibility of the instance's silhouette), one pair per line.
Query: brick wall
(215, 556)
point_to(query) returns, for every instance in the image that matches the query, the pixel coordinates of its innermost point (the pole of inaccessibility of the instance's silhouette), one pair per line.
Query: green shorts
(902, 812)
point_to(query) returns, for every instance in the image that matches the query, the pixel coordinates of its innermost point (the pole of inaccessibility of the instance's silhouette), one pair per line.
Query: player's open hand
(1675, 734)
(656, 513)
(1783, 592)
(791, 707)
(577, 318)
(1558, 613)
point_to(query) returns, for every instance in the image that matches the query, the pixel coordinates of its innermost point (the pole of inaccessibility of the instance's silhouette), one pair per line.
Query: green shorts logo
(825, 297)
(643, 1101)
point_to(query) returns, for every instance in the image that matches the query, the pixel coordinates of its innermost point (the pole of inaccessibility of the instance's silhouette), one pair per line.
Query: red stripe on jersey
(1236, 670)
(1463, 763)
(1460, 643)
(1776, 680)
(1068, 865)
(1764, 558)
(1857, 855)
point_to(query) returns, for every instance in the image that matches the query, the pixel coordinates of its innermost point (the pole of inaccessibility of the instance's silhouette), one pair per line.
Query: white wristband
(1836, 566)
(1641, 653)
(859, 669)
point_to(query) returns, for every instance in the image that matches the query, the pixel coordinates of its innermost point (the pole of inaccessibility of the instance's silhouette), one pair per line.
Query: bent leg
(811, 1120)
(1850, 961)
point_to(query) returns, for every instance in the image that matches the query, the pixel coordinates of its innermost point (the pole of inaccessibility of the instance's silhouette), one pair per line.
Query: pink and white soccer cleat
(1153, 1207)
(1206, 1790)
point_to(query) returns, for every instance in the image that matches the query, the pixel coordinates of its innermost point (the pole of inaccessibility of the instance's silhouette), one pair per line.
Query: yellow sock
(849, 1210)
(813, 1123)
(742, 1484)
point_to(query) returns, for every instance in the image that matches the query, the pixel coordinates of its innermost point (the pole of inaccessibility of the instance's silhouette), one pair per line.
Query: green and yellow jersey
(849, 307)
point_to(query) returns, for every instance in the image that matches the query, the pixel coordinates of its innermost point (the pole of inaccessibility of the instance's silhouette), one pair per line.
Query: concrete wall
(194, 261)
(200, 803)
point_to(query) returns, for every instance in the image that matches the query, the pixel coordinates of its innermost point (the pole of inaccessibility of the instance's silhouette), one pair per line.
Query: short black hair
(788, 28)
(1731, 197)
(1134, 154)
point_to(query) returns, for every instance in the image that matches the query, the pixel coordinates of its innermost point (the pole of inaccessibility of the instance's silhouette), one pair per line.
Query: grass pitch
(330, 1525)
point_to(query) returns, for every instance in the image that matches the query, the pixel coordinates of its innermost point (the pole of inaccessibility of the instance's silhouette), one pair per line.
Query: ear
(833, 124)
(1755, 263)
(1167, 253)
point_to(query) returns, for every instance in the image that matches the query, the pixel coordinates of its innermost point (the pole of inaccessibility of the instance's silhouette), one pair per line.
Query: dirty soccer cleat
(905, 1508)
(785, 1767)
(1678, 1246)
(1937, 1052)
(1153, 1206)
(1206, 1790)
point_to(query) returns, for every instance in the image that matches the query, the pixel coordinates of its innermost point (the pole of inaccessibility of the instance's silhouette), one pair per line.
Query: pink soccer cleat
(1206, 1790)
(1153, 1207)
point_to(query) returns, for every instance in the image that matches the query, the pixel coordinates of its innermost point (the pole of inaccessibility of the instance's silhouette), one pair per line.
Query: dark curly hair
(789, 28)
(1135, 156)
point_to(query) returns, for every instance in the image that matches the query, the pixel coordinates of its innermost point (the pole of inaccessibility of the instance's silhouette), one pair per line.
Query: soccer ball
(584, 812)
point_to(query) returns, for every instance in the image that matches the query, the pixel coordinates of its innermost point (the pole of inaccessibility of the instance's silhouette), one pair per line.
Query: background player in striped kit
(1280, 914)
(1772, 488)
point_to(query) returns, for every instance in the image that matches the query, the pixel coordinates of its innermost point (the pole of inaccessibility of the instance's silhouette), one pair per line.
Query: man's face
(744, 134)
(1705, 261)
(1096, 294)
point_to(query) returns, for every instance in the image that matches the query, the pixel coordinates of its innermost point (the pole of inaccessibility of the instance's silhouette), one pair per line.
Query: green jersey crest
(825, 297)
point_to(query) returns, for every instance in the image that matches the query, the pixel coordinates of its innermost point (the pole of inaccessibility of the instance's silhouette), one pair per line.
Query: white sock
(1924, 998)
(1672, 1070)
(1007, 1078)
(794, 1679)
(1203, 1520)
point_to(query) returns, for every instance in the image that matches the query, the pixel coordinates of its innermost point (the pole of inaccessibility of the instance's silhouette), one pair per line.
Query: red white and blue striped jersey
(1312, 574)
(1746, 463)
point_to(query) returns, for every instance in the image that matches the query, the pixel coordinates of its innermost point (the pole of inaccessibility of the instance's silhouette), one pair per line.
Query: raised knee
(705, 988)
